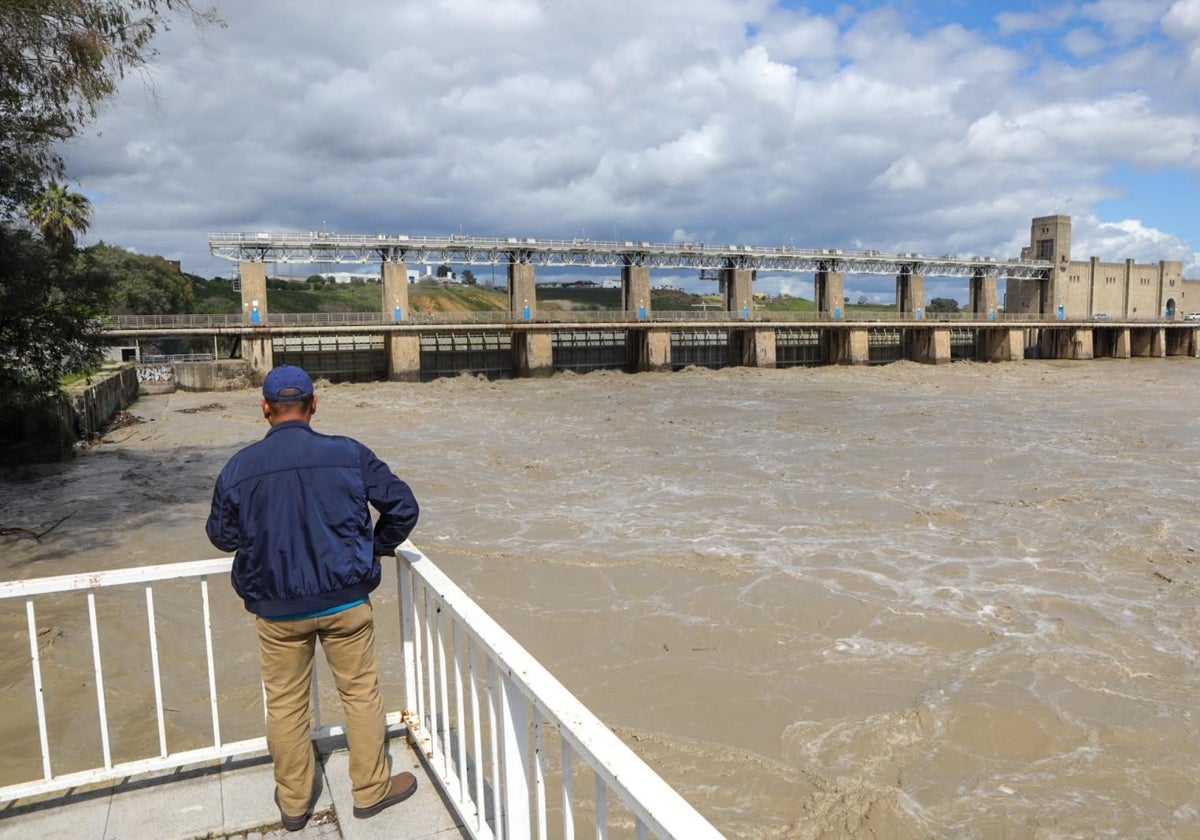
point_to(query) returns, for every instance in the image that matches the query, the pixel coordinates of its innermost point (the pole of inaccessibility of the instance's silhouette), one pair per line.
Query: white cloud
(1182, 23)
(1127, 239)
(1083, 42)
(904, 174)
(714, 120)
(1010, 23)
(1125, 21)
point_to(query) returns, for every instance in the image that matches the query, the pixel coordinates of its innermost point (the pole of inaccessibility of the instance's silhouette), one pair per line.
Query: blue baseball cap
(287, 383)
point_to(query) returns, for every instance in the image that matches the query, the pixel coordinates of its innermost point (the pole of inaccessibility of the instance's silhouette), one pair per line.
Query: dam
(1052, 308)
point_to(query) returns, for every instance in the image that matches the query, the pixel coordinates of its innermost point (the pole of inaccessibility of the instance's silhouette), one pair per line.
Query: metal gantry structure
(461, 249)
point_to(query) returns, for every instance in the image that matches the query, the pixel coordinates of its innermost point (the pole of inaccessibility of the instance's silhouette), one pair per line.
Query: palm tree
(60, 215)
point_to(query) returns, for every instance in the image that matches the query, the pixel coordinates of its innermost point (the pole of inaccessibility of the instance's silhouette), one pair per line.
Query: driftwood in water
(26, 532)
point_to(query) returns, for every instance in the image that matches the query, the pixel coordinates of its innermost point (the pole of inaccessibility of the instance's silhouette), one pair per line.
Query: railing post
(408, 635)
(99, 673)
(514, 720)
(38, 692)
(493, 704)
(568, 793)
(212, 668)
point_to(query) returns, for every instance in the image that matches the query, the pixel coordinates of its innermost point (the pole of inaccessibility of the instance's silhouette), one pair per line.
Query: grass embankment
(366, 297)
(219, 297)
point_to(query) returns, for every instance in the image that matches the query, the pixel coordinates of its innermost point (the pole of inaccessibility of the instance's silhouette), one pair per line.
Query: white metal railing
(416, 318)
(469, 683)
(479, 708)
(174, 358)
(89, 583)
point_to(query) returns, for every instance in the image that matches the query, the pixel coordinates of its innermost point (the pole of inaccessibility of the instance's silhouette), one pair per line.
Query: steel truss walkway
(459, 249)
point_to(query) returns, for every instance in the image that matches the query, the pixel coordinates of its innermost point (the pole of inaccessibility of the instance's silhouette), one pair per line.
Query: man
(294, 506)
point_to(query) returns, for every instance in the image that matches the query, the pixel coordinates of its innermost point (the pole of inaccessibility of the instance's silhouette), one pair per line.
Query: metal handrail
(443, 684)
(470, 658)
(632, 319)
(89, 583)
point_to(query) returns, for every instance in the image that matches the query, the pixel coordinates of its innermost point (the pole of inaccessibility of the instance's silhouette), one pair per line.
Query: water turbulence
(898, 601)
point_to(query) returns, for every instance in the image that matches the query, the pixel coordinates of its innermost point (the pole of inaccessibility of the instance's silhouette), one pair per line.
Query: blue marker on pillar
(1060, 312)
(642, 312)
(254, 316)
(396, 314)
(525, 311)
(837, 313)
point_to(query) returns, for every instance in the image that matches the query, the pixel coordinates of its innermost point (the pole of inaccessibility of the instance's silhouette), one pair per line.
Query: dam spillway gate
(366, 350)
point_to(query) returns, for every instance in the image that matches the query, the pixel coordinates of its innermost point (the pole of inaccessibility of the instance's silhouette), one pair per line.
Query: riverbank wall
(93, 401)
(218, 375)
(215, 375)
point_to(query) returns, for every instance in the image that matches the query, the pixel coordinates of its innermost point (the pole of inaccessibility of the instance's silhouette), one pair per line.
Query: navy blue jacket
(294, 506)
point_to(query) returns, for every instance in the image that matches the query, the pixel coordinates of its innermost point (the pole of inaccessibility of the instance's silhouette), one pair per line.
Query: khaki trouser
(286, 658)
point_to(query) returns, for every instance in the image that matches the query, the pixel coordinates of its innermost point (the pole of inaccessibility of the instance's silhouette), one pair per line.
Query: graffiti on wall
(155, 373)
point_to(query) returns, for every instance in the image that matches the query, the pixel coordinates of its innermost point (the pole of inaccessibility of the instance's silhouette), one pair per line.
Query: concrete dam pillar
(257, 349)
(910, 292)
(758, 348)
(829, 293)
(929, 346)
(533, 353)
(738, 286)
(650, 349)
(403, 356)
(522, 291)
(984, 297)
(394, 277)
(260, 352)
(1000, 345)
(849, 346)
(253, 276)
(635, 290)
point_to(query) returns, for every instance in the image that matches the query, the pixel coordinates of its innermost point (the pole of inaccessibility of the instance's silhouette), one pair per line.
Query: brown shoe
(289, 822)
(403, 785)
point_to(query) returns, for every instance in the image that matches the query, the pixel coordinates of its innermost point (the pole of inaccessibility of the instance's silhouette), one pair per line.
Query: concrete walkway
(232, 799)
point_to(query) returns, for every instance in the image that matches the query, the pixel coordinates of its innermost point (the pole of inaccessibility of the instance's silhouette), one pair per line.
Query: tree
(50, 305)
(58, 60)
(942, 305)
(468, 277)
(140, 284)
(60, 215)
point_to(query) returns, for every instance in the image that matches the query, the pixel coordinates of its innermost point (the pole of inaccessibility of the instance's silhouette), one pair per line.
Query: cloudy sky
(933, 126)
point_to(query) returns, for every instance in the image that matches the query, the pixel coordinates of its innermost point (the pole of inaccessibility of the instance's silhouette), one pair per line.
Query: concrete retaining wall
(92, 402)
(156, 378)
(221, 375)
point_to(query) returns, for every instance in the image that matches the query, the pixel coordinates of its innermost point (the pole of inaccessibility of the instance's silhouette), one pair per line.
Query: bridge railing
(479, 708)
(632, 319)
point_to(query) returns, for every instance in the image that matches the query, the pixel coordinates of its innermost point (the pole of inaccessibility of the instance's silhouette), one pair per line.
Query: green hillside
(218, 296)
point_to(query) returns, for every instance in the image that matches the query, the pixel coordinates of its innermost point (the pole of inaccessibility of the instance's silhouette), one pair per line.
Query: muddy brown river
(882, 602)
